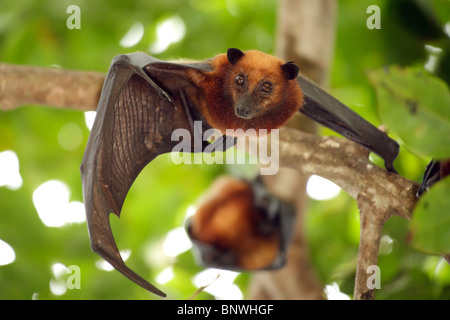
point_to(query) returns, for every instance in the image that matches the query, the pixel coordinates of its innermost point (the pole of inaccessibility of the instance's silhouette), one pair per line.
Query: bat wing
(135, 118)
(328, 111)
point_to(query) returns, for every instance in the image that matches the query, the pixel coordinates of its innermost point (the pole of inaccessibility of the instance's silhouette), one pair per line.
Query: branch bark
(347, 164)
(372, 223)
(21, 85)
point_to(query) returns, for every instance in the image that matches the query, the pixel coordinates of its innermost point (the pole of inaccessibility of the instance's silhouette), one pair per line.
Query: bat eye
(240, 80)
(266, 87)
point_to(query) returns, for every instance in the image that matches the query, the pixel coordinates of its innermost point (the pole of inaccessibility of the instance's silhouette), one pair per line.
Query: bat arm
(137, 61)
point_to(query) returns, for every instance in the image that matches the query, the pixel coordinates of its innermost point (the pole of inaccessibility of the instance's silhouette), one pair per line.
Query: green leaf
(430, 226)
(416, 106)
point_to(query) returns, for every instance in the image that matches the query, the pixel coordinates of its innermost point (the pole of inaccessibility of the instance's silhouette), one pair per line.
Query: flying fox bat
(144, 100)
(239, 225)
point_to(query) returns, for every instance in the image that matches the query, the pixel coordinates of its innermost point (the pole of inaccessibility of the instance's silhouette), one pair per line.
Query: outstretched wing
(134, 122)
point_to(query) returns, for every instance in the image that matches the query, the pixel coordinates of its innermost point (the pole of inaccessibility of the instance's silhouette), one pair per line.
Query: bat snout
(243, 112)
(244, 107)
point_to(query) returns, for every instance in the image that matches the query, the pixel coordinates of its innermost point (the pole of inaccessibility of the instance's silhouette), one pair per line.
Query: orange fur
(220, 91)
(226, 219)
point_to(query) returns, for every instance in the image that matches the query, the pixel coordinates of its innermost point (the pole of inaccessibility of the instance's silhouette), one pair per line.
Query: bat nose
(243, 108)
(243, 112)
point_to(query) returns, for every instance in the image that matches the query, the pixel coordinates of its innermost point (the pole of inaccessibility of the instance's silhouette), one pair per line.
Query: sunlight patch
(176, 242)
(133, 36)
(51, 200)
(319, 188)
(7, 254)
(89, 118)
(334, 293)
(165, 276)
(171, 30)
(9, 170)
(222, 286)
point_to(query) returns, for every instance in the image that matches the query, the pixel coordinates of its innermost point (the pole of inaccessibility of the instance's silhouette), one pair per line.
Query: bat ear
(290, 70)
(234, 55)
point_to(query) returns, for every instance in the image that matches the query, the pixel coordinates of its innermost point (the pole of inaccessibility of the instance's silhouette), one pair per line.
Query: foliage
(421, 101)
(431, 222)
(34, 32)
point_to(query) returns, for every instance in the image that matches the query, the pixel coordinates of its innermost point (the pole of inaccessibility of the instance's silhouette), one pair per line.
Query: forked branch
(379, 193)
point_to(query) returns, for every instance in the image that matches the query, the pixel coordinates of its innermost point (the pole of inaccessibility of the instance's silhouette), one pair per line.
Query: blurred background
(42, 224)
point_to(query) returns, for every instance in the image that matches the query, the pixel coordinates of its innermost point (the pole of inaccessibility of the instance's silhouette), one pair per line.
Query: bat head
(251, 90)
(259, 83)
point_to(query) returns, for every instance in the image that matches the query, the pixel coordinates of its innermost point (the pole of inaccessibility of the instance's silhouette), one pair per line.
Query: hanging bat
(144, 100)
(239, 225)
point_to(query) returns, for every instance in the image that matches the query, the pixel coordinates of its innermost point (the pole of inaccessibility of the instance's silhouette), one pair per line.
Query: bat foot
(389, 165)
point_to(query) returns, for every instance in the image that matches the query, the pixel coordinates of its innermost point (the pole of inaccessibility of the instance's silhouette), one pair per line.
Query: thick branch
(347, 164)
(372, 223)
(306, 32)
(21, 85)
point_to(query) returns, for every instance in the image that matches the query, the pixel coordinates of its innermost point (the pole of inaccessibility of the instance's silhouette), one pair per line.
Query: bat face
(250, 90)
(241, 226)
(257, 82)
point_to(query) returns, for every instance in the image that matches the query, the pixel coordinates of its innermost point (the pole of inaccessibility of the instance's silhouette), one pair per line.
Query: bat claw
(166, 96)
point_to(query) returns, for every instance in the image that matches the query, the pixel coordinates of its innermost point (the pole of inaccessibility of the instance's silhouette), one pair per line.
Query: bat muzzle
(244, 107)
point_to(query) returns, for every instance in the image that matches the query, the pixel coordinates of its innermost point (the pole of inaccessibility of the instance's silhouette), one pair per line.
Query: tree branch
(347, 164)
(372, 222)
(21, 85)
